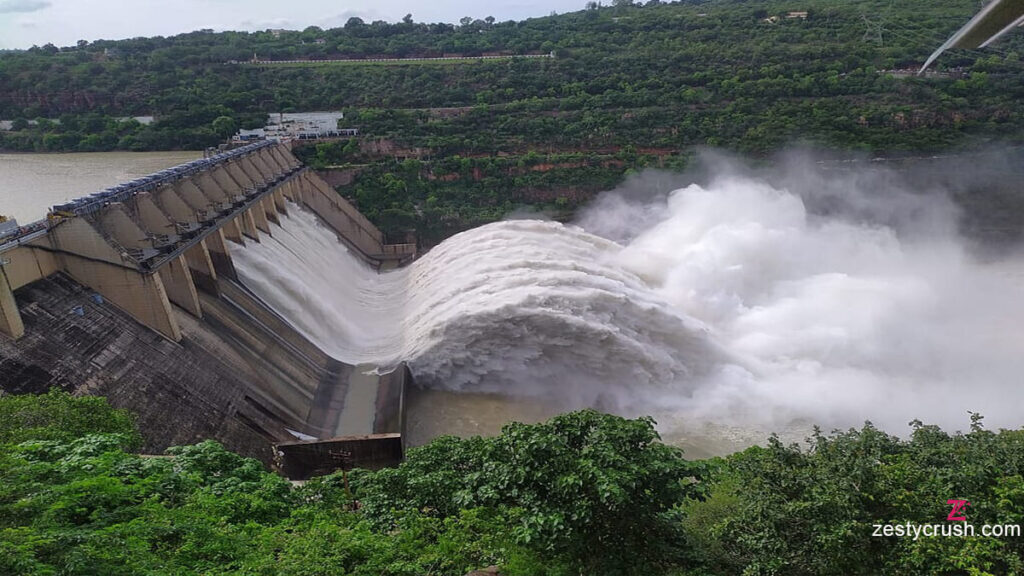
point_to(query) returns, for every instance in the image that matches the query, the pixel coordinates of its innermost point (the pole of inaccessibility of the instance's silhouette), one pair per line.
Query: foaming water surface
(726, 310)
(337, 301)
(523, 307)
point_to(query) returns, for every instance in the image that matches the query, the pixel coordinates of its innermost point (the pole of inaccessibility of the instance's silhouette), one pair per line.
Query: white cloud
(67, 21)
(13, 6)
(339, 20)
(265, 24)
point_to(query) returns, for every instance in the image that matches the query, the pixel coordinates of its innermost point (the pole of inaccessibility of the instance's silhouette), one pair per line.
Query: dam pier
(132, 293)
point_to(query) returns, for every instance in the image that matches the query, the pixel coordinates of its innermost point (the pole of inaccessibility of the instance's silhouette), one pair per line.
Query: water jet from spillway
(523, 307)
(732, 304)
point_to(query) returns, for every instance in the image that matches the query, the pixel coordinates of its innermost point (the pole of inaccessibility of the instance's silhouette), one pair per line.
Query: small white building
(298, 126)
(144, 120)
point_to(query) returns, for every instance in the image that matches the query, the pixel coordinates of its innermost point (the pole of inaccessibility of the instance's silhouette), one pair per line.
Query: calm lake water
(31, 183)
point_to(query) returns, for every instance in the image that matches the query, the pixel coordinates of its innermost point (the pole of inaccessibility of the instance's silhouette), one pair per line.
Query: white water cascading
(530, 306)
(731, 304)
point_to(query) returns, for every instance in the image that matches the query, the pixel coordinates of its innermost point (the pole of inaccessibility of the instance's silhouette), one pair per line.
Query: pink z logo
(958, 508)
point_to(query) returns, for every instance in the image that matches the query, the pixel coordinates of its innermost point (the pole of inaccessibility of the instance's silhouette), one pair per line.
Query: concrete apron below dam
(228, 368)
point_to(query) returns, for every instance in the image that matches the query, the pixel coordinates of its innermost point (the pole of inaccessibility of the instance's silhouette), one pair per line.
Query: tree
(224, 126)
(808, 511)
(58, 416)
(73, 501)
(596, 489)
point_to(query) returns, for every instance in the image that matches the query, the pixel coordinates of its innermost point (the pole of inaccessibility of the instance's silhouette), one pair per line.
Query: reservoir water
(31, 183)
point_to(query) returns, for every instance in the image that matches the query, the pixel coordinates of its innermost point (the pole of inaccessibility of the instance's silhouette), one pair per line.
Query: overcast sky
(64, 22)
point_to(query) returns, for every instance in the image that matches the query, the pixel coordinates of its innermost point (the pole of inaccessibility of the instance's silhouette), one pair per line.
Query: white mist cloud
(870, 308)
(754, 301)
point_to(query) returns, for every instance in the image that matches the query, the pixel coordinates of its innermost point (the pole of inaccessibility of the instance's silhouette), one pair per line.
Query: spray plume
(752, 298)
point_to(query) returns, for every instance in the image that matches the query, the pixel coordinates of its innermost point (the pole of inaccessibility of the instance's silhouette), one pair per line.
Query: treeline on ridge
(736, 74)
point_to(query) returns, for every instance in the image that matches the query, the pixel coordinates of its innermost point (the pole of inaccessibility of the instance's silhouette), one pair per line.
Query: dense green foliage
(658, 75)
(784, 510)
(439, 197)
(585, 489)
(59, 417)
(585, 493)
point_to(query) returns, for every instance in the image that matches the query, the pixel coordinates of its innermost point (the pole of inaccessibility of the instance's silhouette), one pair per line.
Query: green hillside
(629, 87)
(736, 74)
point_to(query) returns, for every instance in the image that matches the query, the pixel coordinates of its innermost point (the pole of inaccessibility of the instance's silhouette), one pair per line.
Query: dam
(132, 293)
(240, 298)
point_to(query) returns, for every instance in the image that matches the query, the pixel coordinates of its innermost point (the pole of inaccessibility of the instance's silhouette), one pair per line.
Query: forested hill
(747, 75)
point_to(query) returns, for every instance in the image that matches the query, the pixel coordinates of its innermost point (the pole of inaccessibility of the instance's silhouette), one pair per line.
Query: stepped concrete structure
(131, 293)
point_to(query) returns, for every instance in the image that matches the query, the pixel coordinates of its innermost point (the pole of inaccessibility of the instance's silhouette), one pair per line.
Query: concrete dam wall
(132, 294)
